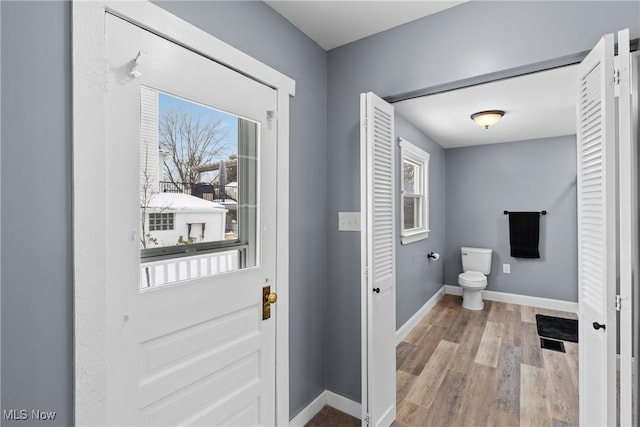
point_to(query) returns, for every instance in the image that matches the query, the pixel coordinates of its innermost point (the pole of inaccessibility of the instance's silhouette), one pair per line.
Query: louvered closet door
(378, 256)
(597, 235)
(628, 190)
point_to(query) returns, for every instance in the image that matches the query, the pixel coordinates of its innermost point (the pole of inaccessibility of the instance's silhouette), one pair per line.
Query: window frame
(410, 153)
(162, 221)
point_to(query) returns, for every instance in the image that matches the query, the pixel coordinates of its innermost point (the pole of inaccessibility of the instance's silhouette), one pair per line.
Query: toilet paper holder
(433, 255)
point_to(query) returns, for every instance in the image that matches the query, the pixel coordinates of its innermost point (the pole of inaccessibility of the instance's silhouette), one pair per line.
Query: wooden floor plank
(512, 328)
(425, 387)
(572, 359)
(457, 327)
(490, 344)
(561, 388)
(467, 349)
(498, 418)
(415, 362)
(513, 307)
(417, 333)
(447, 317)
(404, 382)
(411, 414)
(558, 423)
(403, 350)
(507, 391)
(444, 409)
(534, 405)
(531, 351)
(475, 407)
(528, 314)
(497, 311)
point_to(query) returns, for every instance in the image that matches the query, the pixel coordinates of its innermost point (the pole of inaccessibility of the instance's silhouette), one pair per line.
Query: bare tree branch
(191, 142)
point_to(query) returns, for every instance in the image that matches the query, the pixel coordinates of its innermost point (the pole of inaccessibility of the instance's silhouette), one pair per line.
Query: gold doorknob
(271, 298)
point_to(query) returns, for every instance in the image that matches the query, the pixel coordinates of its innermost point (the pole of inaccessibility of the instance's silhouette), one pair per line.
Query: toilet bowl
(476, 265)
(472, 284)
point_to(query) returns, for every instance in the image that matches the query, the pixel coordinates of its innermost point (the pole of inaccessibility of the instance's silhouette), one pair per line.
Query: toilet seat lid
(472, 276)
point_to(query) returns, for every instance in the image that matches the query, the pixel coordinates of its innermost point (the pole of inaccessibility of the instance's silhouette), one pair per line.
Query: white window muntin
(419, 159)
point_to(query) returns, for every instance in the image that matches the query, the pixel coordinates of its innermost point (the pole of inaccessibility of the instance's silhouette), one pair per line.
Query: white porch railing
(169, 271)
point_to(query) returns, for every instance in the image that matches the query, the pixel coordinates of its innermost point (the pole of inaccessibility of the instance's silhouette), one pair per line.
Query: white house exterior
(177, 218)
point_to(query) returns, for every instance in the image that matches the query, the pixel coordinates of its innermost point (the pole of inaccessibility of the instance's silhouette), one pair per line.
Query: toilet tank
(476, 259)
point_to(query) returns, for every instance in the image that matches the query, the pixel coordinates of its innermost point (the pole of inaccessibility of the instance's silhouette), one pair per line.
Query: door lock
(268, 298)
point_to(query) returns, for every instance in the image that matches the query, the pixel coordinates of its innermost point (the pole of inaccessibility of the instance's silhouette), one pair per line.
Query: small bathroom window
(414, 193)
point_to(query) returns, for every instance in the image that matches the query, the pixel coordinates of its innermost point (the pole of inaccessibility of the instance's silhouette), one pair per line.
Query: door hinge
(366, 272)
(616, 76)
(366, 123)
(366, 419)
(619, 300)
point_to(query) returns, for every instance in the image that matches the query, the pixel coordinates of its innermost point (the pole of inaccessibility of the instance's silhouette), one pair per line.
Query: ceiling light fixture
(487, 118)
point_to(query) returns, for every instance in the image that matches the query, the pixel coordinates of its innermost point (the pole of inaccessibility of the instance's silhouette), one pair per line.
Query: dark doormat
(552, 345)
(557, 328)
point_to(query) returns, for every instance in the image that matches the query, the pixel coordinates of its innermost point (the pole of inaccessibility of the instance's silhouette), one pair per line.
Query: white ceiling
(335, 23)
(536, 106)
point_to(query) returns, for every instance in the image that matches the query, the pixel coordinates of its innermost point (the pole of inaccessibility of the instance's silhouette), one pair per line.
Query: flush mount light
(487, 118)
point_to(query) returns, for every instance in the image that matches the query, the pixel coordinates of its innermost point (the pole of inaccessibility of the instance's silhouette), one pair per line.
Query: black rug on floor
(557, 328)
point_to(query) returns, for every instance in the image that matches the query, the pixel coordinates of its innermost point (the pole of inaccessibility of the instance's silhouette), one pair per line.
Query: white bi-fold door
(607, 218)
(191, 237)
(377, 177)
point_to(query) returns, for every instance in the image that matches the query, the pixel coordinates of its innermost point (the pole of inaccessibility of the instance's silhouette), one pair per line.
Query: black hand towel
(524, 233)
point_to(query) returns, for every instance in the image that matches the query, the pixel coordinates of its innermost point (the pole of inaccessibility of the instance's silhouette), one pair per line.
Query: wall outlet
(348, 221)
(506, 268)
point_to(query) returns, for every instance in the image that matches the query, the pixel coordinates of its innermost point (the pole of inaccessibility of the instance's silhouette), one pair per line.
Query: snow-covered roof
(182, 202)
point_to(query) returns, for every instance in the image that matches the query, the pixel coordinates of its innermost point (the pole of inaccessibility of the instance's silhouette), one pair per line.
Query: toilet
(476, 265)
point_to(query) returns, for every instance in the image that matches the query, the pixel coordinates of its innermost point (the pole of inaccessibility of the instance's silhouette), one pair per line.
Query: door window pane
(198, 190)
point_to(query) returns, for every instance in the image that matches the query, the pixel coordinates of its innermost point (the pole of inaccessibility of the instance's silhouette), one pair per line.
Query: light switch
(348, 221)
(506, 268)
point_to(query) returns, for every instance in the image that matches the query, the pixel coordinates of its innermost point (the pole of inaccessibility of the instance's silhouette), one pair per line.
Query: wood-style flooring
(484, 368)
(331, 417)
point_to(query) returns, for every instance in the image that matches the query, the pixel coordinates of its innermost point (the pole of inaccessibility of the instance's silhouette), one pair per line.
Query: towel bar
(541, 212)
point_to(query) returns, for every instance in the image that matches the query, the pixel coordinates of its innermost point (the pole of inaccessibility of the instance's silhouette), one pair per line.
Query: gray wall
(36, 192)
(485, 180)
(36, 209)
(434, 50)
(418, 278)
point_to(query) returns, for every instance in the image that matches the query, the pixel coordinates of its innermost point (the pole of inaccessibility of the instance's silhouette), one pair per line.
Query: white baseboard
(408, 326)
(309, 411)
(343, 404)
(329, 398)
(553, 304)
(452, 290)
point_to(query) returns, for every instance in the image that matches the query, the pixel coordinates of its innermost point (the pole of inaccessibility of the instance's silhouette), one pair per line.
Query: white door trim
(89, 167)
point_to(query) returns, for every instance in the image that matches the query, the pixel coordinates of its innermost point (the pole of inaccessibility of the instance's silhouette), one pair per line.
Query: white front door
(377, 177)
(187, 258)
(597, 243)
